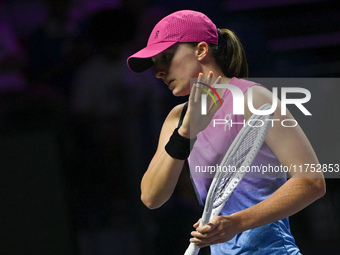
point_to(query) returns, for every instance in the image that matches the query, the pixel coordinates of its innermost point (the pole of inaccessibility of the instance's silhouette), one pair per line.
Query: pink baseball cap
(180, 26)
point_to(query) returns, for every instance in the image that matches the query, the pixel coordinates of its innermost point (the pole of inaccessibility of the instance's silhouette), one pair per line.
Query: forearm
(290, 198)
(291, 147)
(160, 180)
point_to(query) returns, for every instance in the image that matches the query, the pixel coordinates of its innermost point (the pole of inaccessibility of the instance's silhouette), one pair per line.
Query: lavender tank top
(208, 152)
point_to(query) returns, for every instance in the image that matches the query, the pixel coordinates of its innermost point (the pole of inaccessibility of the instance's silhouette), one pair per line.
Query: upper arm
(289, 144)
(167, 130)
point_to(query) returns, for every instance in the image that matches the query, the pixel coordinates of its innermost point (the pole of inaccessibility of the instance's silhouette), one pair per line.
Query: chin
(180, 93)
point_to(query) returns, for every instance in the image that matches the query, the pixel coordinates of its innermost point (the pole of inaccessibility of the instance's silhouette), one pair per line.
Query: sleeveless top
(208, 151)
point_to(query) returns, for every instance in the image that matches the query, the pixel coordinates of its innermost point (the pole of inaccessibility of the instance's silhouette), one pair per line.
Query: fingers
(197, 223)
(203, 104)
(203, 242)
(203, 231)
(204, 236)
(199, 237)
(210, 80)
(198, 84)
(207, 228)
(217, 231)
(206, 86)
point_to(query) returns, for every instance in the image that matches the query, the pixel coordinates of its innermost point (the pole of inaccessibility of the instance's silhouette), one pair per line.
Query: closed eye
(162, 58)
(166, 58)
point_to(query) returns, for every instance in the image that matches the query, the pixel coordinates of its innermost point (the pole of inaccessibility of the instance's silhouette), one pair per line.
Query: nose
(159, 72)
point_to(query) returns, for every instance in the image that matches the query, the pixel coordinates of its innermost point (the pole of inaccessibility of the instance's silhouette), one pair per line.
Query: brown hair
(229, 54)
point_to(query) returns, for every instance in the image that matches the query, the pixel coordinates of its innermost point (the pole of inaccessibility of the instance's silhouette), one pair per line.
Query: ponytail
(229, 54)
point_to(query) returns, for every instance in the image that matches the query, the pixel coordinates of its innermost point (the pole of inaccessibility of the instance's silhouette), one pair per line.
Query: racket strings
(233, 166)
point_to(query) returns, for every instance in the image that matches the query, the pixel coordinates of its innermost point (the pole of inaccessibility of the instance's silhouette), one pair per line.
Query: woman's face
(176, 66)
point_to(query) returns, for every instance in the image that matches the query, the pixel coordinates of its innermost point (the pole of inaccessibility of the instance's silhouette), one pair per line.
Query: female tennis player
(184, 45)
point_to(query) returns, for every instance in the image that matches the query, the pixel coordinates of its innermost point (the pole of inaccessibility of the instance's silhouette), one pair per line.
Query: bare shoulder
(169, 125)
(171, 122)
(174, 116)
(260, 96)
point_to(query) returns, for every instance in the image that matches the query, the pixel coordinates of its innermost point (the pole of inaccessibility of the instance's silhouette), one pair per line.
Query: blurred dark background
(78, 128)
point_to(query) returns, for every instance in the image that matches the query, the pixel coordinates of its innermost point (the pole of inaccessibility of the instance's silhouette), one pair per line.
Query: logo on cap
(157, 32)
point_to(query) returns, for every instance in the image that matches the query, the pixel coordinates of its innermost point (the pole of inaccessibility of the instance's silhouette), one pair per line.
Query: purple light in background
(307, 41)
(236, 5)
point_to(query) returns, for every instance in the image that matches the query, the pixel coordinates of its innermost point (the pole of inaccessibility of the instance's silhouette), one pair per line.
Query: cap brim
(141, 61)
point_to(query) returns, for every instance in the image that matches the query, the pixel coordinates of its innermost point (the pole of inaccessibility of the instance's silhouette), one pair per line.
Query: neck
(212, 66)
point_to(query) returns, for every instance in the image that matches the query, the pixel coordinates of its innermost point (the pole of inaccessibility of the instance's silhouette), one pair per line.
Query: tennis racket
(240, 154)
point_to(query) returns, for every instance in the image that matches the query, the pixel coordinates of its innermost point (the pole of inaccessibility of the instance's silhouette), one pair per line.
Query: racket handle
(192, 249)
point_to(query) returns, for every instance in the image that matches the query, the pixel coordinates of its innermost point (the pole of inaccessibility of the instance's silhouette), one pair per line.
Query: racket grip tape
(192, 249)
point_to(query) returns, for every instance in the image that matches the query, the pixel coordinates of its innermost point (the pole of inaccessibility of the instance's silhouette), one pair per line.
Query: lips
(169, 83)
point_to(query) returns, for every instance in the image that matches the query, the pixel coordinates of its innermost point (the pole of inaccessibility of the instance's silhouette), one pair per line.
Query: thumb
(197, 224)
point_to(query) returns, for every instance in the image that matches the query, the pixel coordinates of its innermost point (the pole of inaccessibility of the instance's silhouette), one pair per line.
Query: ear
(202, 50)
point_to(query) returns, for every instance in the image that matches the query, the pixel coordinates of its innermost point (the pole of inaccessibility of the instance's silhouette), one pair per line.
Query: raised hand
(194, 122)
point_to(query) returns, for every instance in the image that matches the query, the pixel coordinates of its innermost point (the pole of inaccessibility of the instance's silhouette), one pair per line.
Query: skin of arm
(160, 179)
(291, 147)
